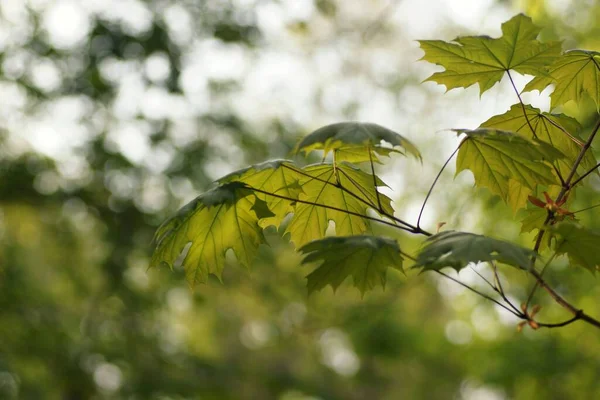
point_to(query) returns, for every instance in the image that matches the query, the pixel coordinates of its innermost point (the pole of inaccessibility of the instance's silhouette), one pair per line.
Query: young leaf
(579, 243)
(534, 219)
(365, 258)
(279, 177)
(321, 186)
(484, 60)
(354, 134)
(458, 249)
(557, 130)
(495, 157)
(212, 223)
(575, 73)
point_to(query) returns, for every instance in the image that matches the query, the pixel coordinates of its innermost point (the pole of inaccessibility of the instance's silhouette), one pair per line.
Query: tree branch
(540, 281)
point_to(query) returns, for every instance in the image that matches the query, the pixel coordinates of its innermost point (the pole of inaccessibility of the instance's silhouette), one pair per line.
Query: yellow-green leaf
(279, 177)
(323, 186)
(458, 249)
(495, 157)
(209, 225)
(557, 130)
(365, 258)
(362, 135)
(580, 244)
(575, 73)
(484, 60)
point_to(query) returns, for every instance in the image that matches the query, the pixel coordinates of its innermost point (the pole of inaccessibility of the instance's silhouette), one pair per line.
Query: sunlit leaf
(557, 130)
(364, 258)
(458, 249)
(321, 187)
(279, 177)
(580, 244)
(480, 59)
(354, 134)
(534, 218)
(360, 154)
(212, 223)
(495, 157)
(575, 73)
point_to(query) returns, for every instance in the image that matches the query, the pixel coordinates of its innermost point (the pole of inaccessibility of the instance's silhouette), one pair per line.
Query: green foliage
(355, 137)
(220, 219)
(579, 243)
(484, 60)
(515, 155)
(458, 249)
(365, 258)
(506, 163)
(346, 207)
(557, 130)
(575, 73)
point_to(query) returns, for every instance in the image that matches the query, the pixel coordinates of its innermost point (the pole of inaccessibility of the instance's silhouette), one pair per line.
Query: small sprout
(439, 226)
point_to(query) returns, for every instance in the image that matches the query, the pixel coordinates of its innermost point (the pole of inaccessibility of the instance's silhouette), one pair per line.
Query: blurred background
(115, 113)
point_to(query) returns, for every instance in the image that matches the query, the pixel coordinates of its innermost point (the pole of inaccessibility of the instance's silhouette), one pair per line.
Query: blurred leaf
(458, 249)
(495, 157)
(212, 223)
(360, 134)
(580, 244)
(575, 73)
(484, 60)
(365, 258)
(534, 219)
(320, 186)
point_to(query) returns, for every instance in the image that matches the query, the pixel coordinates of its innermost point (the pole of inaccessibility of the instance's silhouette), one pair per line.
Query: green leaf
(458, 249)
(534, 219)
(280, 177)
(363, 135)
(365, 258)
(320, 186)
(557, 130)
(484, 60)
(360, 154)
(495, 157)
(580, 244)
(212, 223)
(575, 73)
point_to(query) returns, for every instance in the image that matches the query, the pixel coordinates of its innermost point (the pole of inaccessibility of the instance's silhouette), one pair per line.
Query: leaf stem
(522, 104)
(485, 296)
(585, 175)
(334, 209)
(434, 182)
(374, 178)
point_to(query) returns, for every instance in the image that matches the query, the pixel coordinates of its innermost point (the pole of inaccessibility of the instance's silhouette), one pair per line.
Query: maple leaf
(458, 249)
(208, 226)
(484, 60)
(557, 130)
(355, 137)
(575, 73)
(580, 244)
(279, 177)
(365, 258)
(321, 186)
(498, 157)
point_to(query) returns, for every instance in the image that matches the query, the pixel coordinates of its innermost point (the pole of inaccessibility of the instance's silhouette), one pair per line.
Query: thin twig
(501, 289)
(536, 284)
(522, 104)
(434, 182)
(374, 177)
(332, 208)
(585, 175)
(485, 296)
(585, 209)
